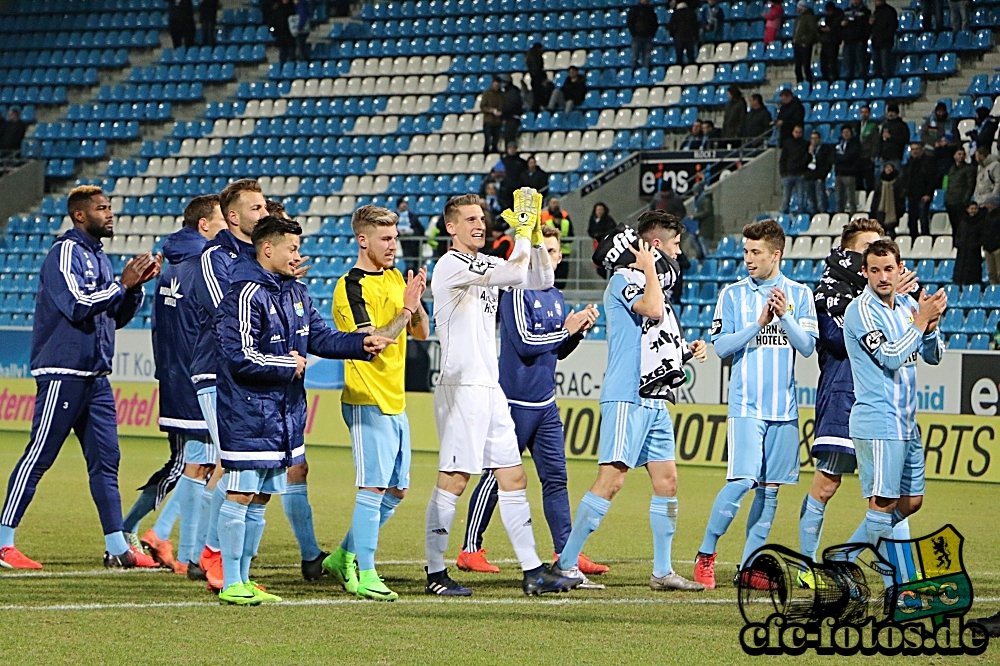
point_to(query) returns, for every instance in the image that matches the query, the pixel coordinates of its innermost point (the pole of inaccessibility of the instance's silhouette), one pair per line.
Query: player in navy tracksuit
(535, 331)
(78, 307)
(266, 325)
(177, 320)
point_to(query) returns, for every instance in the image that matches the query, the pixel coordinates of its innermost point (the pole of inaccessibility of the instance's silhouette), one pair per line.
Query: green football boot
(370, 586)
(259, 592)
(238, 595)
(341, 565)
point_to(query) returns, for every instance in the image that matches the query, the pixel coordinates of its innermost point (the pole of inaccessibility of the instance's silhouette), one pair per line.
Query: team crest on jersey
(631, 291)
(479, 266)
(874, 340)
(299, 309)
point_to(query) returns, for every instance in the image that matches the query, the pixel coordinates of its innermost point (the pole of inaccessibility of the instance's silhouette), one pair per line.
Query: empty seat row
(47, 41)
(208, 73)
(168, 92)
(63, 76)
(70, 58)
(112, 131)
(91, 21)
(41, 95)
(86, 149)
(125, 111)
(219, 54)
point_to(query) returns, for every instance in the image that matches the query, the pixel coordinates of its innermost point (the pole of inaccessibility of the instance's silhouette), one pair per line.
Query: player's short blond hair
(451, 208)
(368, 217)
(548, 231)
(231, 193)
(78, 196)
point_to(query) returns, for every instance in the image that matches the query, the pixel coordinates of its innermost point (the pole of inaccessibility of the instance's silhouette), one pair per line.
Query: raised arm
(330, 343)
(802, 331)
(866, 326)
(540, 273)
(63, 275)
(726, 339)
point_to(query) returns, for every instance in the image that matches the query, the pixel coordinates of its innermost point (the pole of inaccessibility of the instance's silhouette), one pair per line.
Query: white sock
(440, 515)
(516, 516)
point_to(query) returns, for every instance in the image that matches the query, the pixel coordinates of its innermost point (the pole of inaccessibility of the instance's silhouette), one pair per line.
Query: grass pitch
(76, 612)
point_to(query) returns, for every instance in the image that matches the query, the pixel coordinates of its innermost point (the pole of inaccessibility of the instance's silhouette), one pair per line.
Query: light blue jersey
(621, 379)
(762, 381)
(883, 344)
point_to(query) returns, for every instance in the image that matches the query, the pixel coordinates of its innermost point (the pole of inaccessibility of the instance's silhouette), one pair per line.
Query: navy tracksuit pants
(85, 405)
(541, 432)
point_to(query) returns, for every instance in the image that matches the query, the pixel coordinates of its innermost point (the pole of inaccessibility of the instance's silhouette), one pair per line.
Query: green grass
(626, 623)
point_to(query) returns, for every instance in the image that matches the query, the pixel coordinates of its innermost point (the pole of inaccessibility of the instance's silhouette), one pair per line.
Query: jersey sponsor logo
(537, 303)
(631, 291)
(716, 327)
(489, 302)
(303, 331)
(912, 358)
(171, 293)
(300, 310)
(276, 337)
(771, 335)
(874, 340)
(479, 266)
(273, 310)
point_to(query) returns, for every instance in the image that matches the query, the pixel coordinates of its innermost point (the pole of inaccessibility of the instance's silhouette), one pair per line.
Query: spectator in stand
(919, 182)
(514, 169)
(491, 107)
(572, 93)
(871, 139)
(642, 23)
(536, 177)
(501, 244)
(985, 132)
(940, 131)
(773, 18)
(491, 199)
(439, 230)
(534, 62)
(711, 18)
(303, 11)
(513, 108)
(695, 139)
(804, 37)
(792, 166)
(814, 180)
(848, 164)
(758, 120)
(181, 23)
(683, 28)
(12, 132)
(281, 12)
(856, 29)
(601, 223)
(968, 241)
(494, 177)
(208, 12)
(961, 186)
(554, 216)
(933, 11)
(709, 133)
(888, 202)
(408, 225)
(987, 177)
(960, 10)
(895, 136)
(668, 201)
(735, 113)
(791, 114)
(991, 238)
(830, 33)
(884, 24)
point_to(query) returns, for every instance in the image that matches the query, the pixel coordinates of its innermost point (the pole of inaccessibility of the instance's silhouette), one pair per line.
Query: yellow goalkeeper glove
(526, 215)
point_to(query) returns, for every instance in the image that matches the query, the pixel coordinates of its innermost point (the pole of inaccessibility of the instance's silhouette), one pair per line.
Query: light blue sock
(663, 520)
(365, 526)
(254, 532)
(6, 536)
(725, 508)
(878, 525)
(295, 501)
(760, 530)
(388, 507)
(756, 508)
(810, 525)
(188, 493)
(900, 526)
(143, 506)
(169, 511)
(232, 536)
(218, 499)
(589, 514)
(204, 515)
(348, 542)
(115, 543)
(861, 534)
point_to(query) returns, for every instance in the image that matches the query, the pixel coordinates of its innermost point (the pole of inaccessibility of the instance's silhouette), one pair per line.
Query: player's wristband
(408, 310)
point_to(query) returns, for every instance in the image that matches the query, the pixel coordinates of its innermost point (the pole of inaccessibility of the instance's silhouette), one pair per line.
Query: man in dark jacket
(735, 113)
(884, 23)
(572, 92)
(514, 170)
(814, 180)
(176, 323)
(855, 30)
(895, 136)
(848, 163)
(12, 131)
(78, 308)
(181, 23)
(961, 186)
(642, 23)
(985, 131)
(968, 241)
(535, 177)
(919, 182)
(683, 27)
(792, 166)
(266, 326)
(804, 37)
(491, 106)
(991, 237)
(829, 40)
(758, 120)
(513, 107)
(208, 11)
(871, 144)
(791, 114)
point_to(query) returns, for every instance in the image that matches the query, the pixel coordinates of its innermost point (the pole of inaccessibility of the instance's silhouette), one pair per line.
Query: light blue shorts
(635, 435)
(206, 400)
(260, 481)
(381, 446)
(763, 451)
(835, 462)
(200, 451)
(890, 467)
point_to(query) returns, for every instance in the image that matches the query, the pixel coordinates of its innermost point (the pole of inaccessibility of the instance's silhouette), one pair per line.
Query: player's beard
(378, 259)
